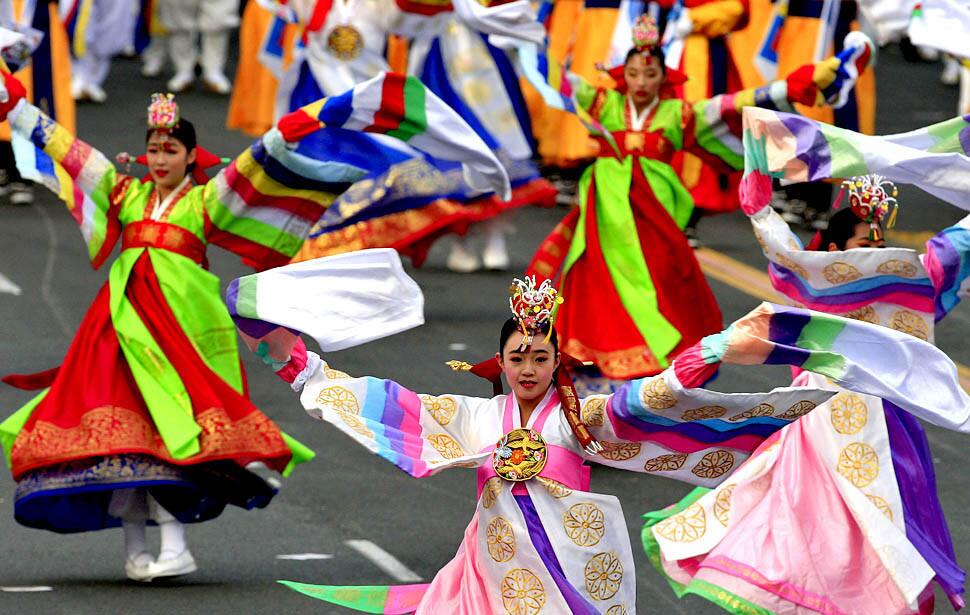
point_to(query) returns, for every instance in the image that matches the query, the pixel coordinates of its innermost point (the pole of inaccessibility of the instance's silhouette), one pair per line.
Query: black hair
(654, 51)
(184, 131)
(841, 228)
(512, 325)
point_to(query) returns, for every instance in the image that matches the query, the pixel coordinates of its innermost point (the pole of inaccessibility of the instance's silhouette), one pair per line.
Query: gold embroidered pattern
(722, 505)
(704, 412)
(490, 491)
(335, 374)
(759, 410)
(616, 609)
(354, 422)
(446, 446)
(656, 395)
(859, 463)
(785, 261)
(604, 574)
(686, 526)
(339, 398)
(345, 42)
(865, 314)
(840, 273)
(500, 538)
(665, 463)
(714, 464)
(584, 524)
(798, 410)
(619, 451)
(555, 488)
(908, 322)
(441, 409)
(522, 593)
(894, 266)
(594, 412)
(882, 505)
(849, 413)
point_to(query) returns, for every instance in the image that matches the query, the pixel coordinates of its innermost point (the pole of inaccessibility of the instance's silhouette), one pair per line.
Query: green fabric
(818, 336)
(301, 453)
(668, 190)
(415, 120)
(847, 160)
(368, 599)
(706, 137)
(246, 296)
(15, 423)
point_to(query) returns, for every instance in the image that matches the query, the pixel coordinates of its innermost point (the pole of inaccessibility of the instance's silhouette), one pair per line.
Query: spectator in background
(210, 21)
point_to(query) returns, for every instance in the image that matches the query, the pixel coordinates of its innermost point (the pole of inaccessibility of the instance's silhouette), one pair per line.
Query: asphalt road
(346, 494)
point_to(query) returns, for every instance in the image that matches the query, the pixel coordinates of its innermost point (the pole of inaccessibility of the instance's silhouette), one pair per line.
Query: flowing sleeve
(947, 260)
(420, 434)
(78, 174)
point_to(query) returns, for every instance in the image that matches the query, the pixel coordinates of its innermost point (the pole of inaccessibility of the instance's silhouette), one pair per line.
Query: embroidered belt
(164, 236)
(561, 465)
(636, 143)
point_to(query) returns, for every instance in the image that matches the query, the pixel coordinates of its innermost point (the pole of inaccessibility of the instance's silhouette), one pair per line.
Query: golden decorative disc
(345, 42)
(519, 455)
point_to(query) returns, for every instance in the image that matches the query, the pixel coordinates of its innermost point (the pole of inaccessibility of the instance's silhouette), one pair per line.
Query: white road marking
(26, 589)
(7, 286)
(457, 346)
(384, 560)
(304, 556)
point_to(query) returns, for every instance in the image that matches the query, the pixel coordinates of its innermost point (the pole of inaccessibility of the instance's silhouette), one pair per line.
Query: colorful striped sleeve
(78, 174)
(947, 262)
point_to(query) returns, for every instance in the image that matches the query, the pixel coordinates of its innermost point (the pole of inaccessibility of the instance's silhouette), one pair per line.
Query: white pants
(208, 19)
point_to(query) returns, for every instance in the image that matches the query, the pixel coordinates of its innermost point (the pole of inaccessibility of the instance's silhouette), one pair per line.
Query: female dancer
(539, 537)
(148, 418)
(856, 472)
(625, 238)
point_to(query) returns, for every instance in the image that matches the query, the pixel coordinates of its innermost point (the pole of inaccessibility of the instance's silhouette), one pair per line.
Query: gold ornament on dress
(849, 413)
(522, 593)
(339, 398)
(656, 395)
(759, 410)
(441, 409)
(798, 410)
(594, 412)
(666, 463)
(865, 314)
(859, 463)
(584, 524)
(334, 374)
(840, 273)
(908, 322)
(897, 267)
(722, 505)
(787, 262)
(882, 505)
(490, 491)
(446, 446)
(616, 609)
(353, 421)
(704, 412)
(686, 526)
(714, 464)
(345, 42)
(520, 455)
(555, 488)
(620, 451)
(500, 538)
(604, 575)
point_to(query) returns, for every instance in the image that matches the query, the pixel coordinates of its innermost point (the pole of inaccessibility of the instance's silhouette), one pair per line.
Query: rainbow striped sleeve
(420, 434)
(947, 262)
(73, 170)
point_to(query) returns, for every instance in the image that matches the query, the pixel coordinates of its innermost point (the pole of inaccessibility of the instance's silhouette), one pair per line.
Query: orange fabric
(397, 53)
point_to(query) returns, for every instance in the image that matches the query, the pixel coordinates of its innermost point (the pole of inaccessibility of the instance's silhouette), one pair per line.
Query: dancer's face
(859, 239)
(168, 160)
(643, 75)
(529, 370)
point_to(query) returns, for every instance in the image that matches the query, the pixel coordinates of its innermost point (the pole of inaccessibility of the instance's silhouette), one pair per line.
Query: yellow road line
(755, 283)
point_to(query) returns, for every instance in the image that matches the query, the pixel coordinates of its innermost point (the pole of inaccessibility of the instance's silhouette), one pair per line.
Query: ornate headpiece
(533, 306)
(163, 112)
(873, 199)
(646, 36)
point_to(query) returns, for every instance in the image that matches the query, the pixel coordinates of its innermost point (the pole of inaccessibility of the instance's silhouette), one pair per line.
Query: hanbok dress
(837, 512)
(625, 238)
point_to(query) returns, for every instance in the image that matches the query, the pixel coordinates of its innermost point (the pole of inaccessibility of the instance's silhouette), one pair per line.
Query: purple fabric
(965, 136)
(925, 524)
(578, 605)
(808, 293)
(811, 146)
(949, 262)
(787, 331)
(253, 327)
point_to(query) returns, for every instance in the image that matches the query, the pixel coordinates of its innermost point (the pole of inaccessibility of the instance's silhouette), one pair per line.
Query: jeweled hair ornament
(645, 34)
(873, 199)
(163, 112)
(533, 306)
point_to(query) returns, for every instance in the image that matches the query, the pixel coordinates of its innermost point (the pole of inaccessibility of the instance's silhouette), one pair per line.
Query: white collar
(162, 206)
(637, 120)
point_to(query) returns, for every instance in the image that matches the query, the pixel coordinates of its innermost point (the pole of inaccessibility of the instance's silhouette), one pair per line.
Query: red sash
(164, 236)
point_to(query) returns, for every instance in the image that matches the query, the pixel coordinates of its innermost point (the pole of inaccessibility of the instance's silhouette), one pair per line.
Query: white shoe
(217, 82)
(269, 477)
(96, 93)
(20, 193)
(462, 260)
(496, 253)
(152, 67)
(137, 568)
(78, 91)
(181, 81)
(951, 72)
(183, 563)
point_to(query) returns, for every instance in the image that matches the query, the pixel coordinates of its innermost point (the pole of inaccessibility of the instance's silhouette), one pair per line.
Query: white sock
(172, 531)
(134, 538)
